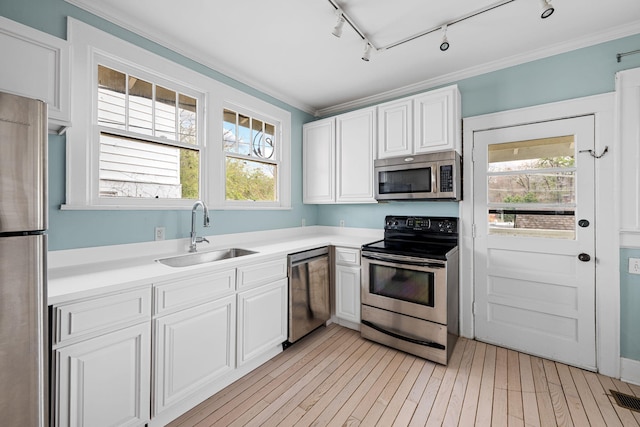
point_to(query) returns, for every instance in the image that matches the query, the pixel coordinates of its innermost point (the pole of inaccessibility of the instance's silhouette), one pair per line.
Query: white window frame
(90, 47)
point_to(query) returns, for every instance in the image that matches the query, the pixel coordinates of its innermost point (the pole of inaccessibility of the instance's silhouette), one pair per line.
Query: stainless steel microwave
(432, 176)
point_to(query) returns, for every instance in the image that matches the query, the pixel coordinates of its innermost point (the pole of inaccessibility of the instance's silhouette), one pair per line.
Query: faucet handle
(201, 239)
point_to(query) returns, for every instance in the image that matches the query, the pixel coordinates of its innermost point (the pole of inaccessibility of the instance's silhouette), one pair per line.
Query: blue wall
(629, 304)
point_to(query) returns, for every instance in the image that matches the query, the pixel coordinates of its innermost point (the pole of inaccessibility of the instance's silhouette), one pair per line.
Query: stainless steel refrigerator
(24, 373)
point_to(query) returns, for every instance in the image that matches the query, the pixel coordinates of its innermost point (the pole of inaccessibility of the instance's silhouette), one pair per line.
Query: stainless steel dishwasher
(309, 302)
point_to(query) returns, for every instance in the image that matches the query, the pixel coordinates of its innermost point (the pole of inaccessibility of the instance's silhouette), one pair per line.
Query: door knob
(584, 257)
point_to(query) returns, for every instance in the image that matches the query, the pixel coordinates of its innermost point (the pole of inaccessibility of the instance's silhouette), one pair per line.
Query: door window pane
(531, 188)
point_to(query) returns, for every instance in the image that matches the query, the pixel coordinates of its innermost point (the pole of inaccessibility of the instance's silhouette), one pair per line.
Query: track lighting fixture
(367, 51)
(547, 9)
(337, 30)
(445, 43)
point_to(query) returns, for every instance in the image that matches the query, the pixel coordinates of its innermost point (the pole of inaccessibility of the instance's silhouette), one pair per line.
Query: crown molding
(563, 47)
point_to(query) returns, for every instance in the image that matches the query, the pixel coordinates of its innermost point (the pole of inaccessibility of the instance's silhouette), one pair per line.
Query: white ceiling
(285, 47)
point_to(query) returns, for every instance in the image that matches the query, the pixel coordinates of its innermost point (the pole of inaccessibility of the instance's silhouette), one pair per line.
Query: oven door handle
(402, 337)
(402, 260)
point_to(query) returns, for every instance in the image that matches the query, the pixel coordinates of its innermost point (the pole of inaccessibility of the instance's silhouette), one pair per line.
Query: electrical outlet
(342, 223)
(159, 233)
(304, 222)
(634, 265)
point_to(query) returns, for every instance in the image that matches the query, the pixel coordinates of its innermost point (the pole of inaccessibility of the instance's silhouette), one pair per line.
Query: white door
(534, 247)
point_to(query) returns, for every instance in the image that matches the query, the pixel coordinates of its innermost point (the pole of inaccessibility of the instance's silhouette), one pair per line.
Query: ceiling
(285, 47)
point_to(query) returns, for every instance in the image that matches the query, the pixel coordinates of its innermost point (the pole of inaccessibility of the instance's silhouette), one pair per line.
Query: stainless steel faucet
(195, 239)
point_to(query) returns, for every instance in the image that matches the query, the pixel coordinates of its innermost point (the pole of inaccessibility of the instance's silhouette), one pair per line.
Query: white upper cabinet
(355, 142)
(420, 124)
(36, 66)
(318, 161)
(395, 128)
(338, 158)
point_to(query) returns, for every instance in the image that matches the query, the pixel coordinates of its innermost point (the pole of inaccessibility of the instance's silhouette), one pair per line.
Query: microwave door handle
(435, 179)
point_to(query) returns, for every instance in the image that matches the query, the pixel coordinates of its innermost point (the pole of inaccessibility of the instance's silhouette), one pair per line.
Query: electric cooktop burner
(425, 237)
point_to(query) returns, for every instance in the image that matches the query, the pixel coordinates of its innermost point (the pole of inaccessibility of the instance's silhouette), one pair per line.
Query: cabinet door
(262, 319)
(192, 348)
(355, 141)
(395, 128)
(318, 162)
(348, 293)
(104, 381)
(437, 120)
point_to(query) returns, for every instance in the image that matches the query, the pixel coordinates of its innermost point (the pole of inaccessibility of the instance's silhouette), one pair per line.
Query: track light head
(444, 45)
(367, 51)
(547, 9)
(337, 30)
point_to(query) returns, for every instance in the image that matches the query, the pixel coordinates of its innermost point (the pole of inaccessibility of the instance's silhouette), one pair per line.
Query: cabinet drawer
(171, 296)
(100, 315)
(264, 272)
(347, 256)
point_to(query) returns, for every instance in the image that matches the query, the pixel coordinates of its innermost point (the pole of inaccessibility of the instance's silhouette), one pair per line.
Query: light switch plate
(634, 265)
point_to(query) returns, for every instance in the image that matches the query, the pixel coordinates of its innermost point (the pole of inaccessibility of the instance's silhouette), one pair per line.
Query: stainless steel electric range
(410, 286)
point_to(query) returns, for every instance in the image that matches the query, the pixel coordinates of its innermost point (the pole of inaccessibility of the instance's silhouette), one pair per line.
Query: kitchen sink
(204, 257)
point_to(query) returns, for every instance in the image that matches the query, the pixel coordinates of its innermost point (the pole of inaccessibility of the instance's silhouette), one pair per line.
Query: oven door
(408, 285)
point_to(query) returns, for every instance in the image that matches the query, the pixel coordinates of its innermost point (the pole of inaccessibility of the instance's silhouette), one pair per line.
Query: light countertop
(83, 273)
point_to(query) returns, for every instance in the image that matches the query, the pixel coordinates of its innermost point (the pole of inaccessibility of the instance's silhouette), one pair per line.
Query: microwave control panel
(446, 179)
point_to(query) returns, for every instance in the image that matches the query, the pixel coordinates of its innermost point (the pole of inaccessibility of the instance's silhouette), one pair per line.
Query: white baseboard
(630, 370)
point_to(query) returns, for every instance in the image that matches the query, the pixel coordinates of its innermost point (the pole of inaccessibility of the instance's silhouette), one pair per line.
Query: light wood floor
(334, 377)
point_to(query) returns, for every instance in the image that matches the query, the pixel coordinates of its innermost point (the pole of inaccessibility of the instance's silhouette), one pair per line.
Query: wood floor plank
(349, 406)
(334, 377)
(588, 400)
(394, 407)
(500, 396)
(329, 404)
(558, 398)
(485, 399)
(577, 411)
(542, 392)
(242, 405)
(529, 396)
(456, 401)
(472, 393)
(436, 417)
(515, 411)
(286, 400)
(384, 398)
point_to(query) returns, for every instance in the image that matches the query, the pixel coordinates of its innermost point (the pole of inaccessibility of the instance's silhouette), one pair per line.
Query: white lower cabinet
(262, 319)
(348, 293)
(127, 359)
(347, 286)
(192, 348)
(101, 360)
